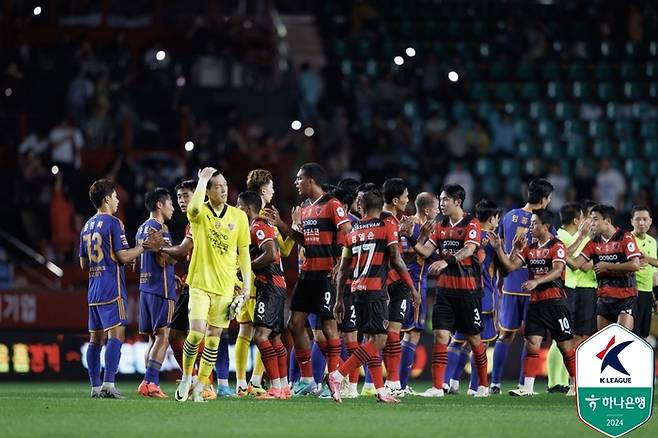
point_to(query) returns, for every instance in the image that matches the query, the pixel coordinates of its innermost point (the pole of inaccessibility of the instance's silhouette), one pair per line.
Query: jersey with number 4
(100, 239)
(367, 244)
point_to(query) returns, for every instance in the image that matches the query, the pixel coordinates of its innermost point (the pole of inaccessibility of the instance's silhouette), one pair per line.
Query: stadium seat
(556, 90)
(515, 109)
(573, 128)
(526, 149)
(603, 72)
(530, 91)
(632, 49)
(653, 90)
(576, 71)
(565, 110)
(582, 90)
(547, 129)
(606, 91)
(538, 110)
(524, 71)
(649, 130)
(641, 110)
(509, 167)
(616, 111)
(624, 129)
(609, 50)
(634, 168)
(499, 71)
(513, 187)
(598, 129)
(629, 70)
(491, 186)
(478, 91)
(651, 70)
(551, 149)
(340, 48)
(522, 129)
(363, 48)
(551, 71)
(504, 91)
(346, 67)
(576, 147)
(628, 148)
(650, 149)
(485, 50)
(602, 148)
(485, 167)
(485, 109)
(460, 111)
(633, 90)
(653, 169)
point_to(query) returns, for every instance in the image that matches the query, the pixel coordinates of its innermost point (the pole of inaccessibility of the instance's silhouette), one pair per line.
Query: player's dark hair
(366, 187)
(349, 184)
(215, 173)
(539, 189)
(455, 191)
(606, 211)
(258, 178)
(344, 196)
(393, 188)
(99, 190)
(424, 200)
(486, 209)
(315, 172)
(251, 199)
(569, 212)
(327, 187)
(159, 194)
(546, 217)
(637, 208)
(372, 200)
(587, 205)
(188, 184)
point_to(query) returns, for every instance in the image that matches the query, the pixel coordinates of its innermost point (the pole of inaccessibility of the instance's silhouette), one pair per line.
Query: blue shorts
(513, 310)
(409, 324)
(155, 312)
(489, 330)
(107, 316)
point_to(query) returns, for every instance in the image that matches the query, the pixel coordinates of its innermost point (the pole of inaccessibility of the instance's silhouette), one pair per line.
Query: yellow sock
(557, 372)
(259, 367)
(208, 358)
(241, 357)
(190, 350)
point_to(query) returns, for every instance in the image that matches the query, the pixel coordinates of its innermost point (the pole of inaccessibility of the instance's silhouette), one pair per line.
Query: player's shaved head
(425, 200)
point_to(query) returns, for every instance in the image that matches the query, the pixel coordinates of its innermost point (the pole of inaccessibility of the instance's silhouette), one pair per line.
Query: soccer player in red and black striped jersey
(458, 302)
(545, 259)
(270, 296)
(371, 247)
(615, 257)
(322, 220)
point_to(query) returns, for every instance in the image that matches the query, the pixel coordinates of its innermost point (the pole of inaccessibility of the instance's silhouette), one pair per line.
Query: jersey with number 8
(367, 245)
(101, 237)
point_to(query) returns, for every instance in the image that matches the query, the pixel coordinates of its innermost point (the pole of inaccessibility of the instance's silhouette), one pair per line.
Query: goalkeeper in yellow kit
(221, 234)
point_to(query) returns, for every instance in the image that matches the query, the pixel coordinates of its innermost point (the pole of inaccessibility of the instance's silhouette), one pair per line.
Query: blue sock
(499, 357)
(406, 361)
(221, 366)
(454, 355)
(343, 351)
(112, 358)
(464, 356)
(293, 367)
(94, 364)
(319, 363)
(368, 378)
(475, 381)
(153, 372)
(522, 372)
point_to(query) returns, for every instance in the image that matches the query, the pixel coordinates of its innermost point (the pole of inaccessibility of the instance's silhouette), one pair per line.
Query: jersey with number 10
(100, 239)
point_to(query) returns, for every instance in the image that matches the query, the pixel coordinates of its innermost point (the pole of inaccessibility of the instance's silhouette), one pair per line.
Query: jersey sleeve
(630, 247)
(434, 237)
(83, 246)
(188, 232)
(559, 253)
(391, 233)
(261, 232)
(244, 237)
(473, 232)
(523, 255)
(587, 251)
(337, 213)
(118, 233)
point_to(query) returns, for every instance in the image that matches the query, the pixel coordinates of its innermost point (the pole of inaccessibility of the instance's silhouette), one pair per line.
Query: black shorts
(372, 317)
(348, 324)
(270, 305)
(642, 314)
(549, 315)
(398, 304)
(180, 320)
(456, 313)
(314, 296)
(582, 305)
(610, 308)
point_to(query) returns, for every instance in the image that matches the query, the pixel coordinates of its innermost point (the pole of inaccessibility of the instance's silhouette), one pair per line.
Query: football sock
(153, 372)
(241, 357)
(474, 381)
(532, 365)
(270, 360)
(570, 362)
(407, 360)
(282, 362)
(557, 372)
(318, 362)
(190, 350)
(454, 354)
(208, 358)
(304, 361)
(222, 366)
(333, 354)
(360, 356)
(351, 347)
(522, 362)
(112, 358)
(177, 348)
(259, 369)
(439, 364)
(94, 364)
(392, 357)
(375, 368)
(500, 355)
(480, 355)
(293, 367)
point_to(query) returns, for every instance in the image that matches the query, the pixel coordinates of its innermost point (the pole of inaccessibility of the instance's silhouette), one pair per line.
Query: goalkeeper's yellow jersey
(217, 237)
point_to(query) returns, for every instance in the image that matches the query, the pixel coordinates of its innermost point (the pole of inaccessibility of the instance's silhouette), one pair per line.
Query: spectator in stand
(561, 184)
(583, 183)
(456, 139)
(610, 185)
(67, 142)
(80, 92)
(311, 88)
(503, 133)
(460, 175)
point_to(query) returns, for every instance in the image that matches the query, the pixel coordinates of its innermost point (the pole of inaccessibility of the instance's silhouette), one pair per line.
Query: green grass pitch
(63, 409)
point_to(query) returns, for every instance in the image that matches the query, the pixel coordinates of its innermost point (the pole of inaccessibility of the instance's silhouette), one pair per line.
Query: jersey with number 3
(100, 239)
(367, 244)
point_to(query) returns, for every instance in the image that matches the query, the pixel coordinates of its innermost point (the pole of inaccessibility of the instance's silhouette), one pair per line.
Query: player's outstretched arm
(267, 256)
(285, 245)
(579, 262)
(273, 216)
(508, 263)
(126, 256)
(178, 252)
(194, 207)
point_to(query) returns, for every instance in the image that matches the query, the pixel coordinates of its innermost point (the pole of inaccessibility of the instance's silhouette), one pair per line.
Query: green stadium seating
(504, 91)
(556, 90)
(651, 70)
(551, 149)
(509, 167)
(576, 71)
(649, 130)
(491, 186)
(547, 129)
(526, 149)
(513, 187)
(629, 71)
(603, 71)
(632, 49)
(538, 110)
(523, 129)
(650, 149)
(460, 111)
(606, 91)
(628, 148)
(634, 168)
(624, 129)
(598, 129)
(616, 111)
(582, 90)
(499, 71)
(653, 90)
(515, 109)
(485, 167)
(573, 128)
(633, 90)
(602, 148)
(565, 110)
(530, 91)
(478, 91)
(576, 147)
(524, 71)
(653, 169)
(485, 109)
(609, 49)
(551, 71)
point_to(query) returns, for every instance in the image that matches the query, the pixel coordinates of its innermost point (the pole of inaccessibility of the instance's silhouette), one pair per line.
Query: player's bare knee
(565, 346)
(506, 336)
(118, 333)
(442, 337)
(211, 330)
(261, 334)
(379, 341)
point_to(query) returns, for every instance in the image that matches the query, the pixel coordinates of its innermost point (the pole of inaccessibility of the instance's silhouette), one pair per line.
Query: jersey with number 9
(100, 239)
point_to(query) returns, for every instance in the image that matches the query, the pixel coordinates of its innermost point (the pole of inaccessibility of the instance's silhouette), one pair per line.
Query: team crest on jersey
(544, 253)
(231, 227)
(260, 234)
(630, 246)
(318, 210)
(460, 233)
(218, 225)
(615, 246)
(340, 211)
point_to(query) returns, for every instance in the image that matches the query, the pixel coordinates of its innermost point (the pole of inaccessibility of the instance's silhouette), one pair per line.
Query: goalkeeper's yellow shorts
(209, 307)
(246, 315)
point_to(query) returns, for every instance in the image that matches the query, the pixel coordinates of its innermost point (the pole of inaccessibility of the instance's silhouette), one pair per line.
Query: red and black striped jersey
(320, 223)
(390, 219)
(620, 248)
(466, 275)
(272, 274)
(539, 259)
(368, 244)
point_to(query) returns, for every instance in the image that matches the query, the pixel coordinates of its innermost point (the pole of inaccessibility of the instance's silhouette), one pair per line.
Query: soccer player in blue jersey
(488, 214)
(514, 302)
(157, 290)
(427, 208)
(104, 251)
